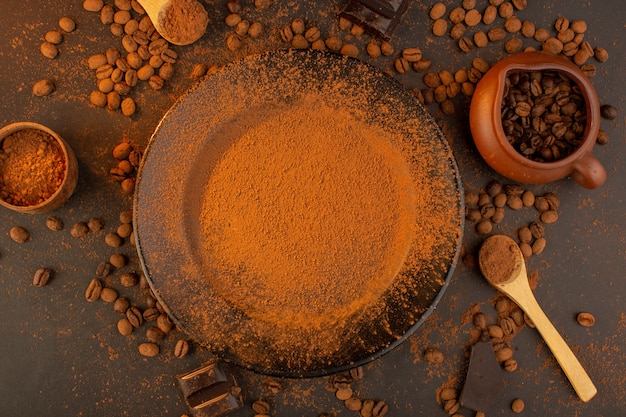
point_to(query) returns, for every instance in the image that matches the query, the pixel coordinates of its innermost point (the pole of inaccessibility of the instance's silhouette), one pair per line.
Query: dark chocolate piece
(210, 390)
(377, 17)
(484, 379)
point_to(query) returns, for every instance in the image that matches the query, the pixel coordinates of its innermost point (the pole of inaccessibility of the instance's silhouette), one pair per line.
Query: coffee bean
(494, 188)
(549, 216)
(67, 24)
(440, 27)
(608, 112)
(498, 215)
(502, 304)
(108, 295)
(457, 15)
(537, 229)
(19, 234)
(495, 331)
(124, 327)
(380, 409)
(601, 54)
(367, 408)
(466, 44)
(497, 343)
(518, 316)
(261, 407)
(451, 406)
(343, 393)
(517, 405)
(448, 394)
(41, 277)
(538, 245)
(504, 354)
(121, 305)
(513, 45)
(92, 293)
(150, 314)
(542, 204)
(433, 355)
(181, 349)
(129, 279)
(484, 227)
(437, 11)
(79, 230)
(154, 334)
(134, 316)
(480, 321)
(524, 234)
(353, 404)
(500, 200)
(113, 240)
(473, 214)
(528, 198)
(128, 106)
(164, 323)
(490, 14)
(508, 326)
(510, 365)
(124, 230)
(103, 269)
(149, 349)
(43, 87)
(54, 223)
(356, 373)
(603, 137)
(586, 319)
(118, 260)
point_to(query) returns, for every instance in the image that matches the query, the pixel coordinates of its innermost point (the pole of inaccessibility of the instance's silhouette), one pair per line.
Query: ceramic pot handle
(589, 172)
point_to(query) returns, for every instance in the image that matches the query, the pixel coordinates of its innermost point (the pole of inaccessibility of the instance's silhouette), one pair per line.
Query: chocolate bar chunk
(484, 379)
(210, 390)
(377, 17)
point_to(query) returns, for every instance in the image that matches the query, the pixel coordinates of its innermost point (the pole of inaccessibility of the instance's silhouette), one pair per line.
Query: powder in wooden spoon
(499, 259)
(184, 21)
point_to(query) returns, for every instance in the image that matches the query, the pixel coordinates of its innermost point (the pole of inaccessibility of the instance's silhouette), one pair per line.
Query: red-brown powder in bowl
(32, 167)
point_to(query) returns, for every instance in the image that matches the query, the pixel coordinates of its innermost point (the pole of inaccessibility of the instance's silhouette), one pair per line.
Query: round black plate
(189, 143)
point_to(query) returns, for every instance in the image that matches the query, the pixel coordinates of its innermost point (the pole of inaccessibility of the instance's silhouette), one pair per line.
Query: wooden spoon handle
(572, 368)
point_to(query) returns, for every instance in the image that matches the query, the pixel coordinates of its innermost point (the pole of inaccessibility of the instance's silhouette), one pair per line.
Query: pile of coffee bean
(242, 28)
(145, 55)
(486, 208)
(128, 155)
(448, 399)
(102, 288)
(53, 38)
(341, 384)
(543, 114)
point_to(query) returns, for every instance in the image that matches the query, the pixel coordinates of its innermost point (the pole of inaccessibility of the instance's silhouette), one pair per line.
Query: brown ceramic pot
(490, 139)
(65, 190)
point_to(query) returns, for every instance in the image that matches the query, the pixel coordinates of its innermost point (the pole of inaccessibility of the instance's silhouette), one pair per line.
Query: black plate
(193, 139)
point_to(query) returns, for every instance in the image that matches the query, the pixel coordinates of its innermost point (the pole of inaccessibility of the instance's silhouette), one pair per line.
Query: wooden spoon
(180, 22)
(502, 263)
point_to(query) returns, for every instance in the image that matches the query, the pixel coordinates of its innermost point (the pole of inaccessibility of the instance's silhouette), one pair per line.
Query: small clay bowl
(70, 177)
(490, 139)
